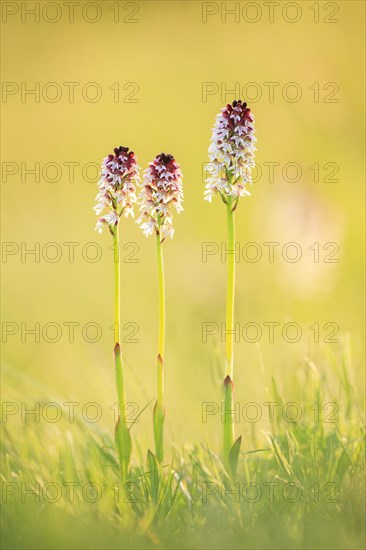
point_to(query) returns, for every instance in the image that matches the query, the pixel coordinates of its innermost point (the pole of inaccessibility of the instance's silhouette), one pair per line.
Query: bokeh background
(169, 54)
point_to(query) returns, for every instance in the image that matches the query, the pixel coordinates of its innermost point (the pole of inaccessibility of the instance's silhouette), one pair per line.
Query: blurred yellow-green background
(160, 55)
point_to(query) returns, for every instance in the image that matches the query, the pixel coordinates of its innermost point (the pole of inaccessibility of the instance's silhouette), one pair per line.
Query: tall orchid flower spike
(117, 188)
(161, 193)
(116, 197)
(231, 154)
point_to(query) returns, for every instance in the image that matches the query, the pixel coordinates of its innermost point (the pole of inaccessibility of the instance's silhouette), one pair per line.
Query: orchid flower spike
(117, 191)
(231, 153)
(162, 189)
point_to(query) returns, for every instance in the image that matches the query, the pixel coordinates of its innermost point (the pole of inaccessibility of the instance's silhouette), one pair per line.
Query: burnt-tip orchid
(162, 191)
(116, 197)
(231, 154)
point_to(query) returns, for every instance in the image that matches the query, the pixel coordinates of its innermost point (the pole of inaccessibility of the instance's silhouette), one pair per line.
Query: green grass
(174, 507)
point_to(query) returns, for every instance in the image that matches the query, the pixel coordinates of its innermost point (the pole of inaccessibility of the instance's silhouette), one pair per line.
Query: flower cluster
(162, 188)
(119, 175)
(231, 152)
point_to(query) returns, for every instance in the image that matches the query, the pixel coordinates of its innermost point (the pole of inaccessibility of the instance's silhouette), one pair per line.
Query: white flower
(148, 227)
(111, 219)
(99, 226)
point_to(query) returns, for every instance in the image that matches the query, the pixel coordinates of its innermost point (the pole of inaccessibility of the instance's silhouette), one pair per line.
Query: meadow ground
(302, 487)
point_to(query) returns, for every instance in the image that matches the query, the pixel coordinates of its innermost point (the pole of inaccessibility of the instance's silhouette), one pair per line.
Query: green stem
(230, 291)
(228, 392)
(117, 320)
(123, 438)
(161, 339)
(117, 287)
(159, 413)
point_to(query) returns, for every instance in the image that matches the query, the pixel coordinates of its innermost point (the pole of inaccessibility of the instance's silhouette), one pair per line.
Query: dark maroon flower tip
(239, 102)
(120, 149)
(165, 159)
(241, 110)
